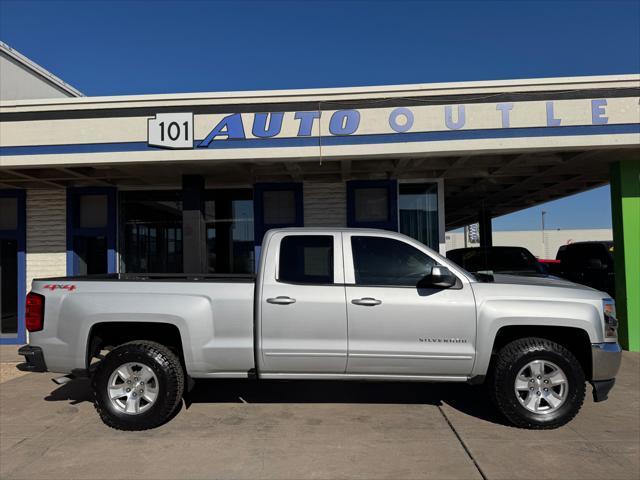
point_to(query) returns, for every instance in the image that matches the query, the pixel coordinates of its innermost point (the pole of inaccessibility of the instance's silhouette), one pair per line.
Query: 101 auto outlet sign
(184, 130)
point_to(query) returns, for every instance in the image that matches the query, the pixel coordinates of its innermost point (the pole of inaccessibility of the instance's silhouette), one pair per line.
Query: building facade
(189, 183)
(23, 79)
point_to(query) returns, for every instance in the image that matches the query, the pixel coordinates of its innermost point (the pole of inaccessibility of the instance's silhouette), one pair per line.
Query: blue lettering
(260, 129)
(306, 122)
(230, 127)
(597, 112)
(505, 108)
(344, 122)
(551, 120)
(448, 117)
(407, 122)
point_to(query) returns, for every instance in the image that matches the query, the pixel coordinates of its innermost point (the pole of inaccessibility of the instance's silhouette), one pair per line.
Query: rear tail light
(34, 314)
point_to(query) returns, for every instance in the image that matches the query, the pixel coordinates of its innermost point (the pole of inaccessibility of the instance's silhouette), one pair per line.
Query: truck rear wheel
(138, 386)
(537, 383)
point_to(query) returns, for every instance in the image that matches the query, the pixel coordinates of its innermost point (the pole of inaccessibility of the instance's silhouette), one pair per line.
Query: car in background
(503, 260)
(588, 263)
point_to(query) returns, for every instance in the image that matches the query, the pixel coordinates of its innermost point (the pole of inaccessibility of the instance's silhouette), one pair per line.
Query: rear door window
(306, 259)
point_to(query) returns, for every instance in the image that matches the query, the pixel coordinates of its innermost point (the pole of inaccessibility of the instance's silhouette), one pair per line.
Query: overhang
(504, 145)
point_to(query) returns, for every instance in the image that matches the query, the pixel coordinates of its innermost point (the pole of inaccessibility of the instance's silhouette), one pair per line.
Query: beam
(36, 179)
(294, 170)
(345, 169)
(83, 176)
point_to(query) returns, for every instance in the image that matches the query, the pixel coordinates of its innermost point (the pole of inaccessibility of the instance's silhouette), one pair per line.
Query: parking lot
(322, 430)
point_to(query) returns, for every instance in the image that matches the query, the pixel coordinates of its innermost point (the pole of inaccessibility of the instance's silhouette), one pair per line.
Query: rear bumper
(606, 358)
(34, 359)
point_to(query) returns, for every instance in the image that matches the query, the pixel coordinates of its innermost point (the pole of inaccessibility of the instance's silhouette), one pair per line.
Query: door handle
(366, 301)
(282, 300)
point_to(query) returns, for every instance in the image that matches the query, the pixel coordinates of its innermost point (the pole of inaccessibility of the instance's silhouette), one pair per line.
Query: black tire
(170, 377)
(512, 358)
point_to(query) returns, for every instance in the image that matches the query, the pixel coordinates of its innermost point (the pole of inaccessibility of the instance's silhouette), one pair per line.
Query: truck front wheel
(138, 386)
(537, 383)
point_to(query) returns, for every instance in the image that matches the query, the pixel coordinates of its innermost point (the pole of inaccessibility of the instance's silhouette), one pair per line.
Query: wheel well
(575, 340)
(108, 335)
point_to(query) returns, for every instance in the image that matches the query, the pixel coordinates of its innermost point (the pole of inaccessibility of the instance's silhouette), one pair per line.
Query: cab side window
(306, 259)
(386, 261)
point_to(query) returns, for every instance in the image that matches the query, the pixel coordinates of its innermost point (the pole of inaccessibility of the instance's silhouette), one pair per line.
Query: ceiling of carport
(501, 184)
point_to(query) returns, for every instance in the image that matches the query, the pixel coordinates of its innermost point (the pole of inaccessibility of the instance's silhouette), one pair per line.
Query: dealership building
(189, 183)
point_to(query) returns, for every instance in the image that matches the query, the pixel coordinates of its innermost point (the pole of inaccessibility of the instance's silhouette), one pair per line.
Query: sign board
(434, 122)
(171, 130)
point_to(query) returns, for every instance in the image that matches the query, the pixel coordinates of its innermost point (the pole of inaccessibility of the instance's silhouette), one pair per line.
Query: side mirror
(595, 264)
(440, 277)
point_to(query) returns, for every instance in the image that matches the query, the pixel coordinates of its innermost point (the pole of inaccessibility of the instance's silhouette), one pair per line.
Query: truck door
(396, 328)
(302, 318)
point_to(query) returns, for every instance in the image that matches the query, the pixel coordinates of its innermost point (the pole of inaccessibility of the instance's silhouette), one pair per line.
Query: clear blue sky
(113, 48)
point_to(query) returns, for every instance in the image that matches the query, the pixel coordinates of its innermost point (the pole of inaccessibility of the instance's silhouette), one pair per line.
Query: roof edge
(341, 93)
(39, 70)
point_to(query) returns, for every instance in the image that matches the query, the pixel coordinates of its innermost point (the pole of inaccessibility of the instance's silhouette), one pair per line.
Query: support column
(486, 230)
(625, 212)
(194, 258)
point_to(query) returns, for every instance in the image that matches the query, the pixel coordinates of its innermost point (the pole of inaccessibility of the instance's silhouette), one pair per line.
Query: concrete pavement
(321, 430)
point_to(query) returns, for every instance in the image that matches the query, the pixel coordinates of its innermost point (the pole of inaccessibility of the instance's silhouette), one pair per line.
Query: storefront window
(151, 226)
(229, 230)
(418, 208)
(91, 231)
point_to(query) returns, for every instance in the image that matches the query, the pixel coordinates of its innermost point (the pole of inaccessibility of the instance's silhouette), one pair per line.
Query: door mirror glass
(439, 277)
(595, 264)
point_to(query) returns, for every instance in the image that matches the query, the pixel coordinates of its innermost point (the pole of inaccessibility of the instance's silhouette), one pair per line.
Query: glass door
(12, 266)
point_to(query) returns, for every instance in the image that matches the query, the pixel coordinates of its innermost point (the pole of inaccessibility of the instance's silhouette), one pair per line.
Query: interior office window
(372, 204)
(306, 259)
(229, 231)
(418, 209)
(151, 226)
(90, 232)
(386, 261)
(8, 213)
(277, 205)
(93, 211)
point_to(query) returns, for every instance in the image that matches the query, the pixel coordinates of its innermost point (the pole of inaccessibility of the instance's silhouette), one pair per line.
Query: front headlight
(610, 320)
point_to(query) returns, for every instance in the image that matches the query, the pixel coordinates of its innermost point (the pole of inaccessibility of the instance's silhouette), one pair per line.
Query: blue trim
(407, 137)
(260, 228)
(392, 203)
(19, 234)
(109, 232)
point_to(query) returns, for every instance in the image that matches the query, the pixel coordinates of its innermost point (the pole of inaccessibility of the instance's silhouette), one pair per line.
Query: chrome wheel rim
(541, 387)
(132, 388)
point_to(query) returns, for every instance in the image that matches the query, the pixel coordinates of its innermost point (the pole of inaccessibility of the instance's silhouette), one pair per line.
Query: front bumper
(605, 358)
(34, 359)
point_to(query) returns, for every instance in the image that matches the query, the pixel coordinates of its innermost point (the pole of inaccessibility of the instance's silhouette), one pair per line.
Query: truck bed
(213, 314)
(159, 277)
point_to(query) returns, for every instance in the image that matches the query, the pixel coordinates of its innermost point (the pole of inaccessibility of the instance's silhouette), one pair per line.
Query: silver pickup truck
(327, 304)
